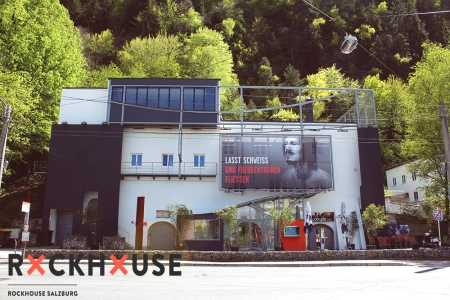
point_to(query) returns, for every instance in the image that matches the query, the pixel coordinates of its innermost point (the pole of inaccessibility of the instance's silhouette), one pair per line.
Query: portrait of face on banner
(276, 162)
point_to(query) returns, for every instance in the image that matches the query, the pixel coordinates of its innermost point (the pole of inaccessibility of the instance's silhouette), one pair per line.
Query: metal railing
(123, 233)
(158, 169)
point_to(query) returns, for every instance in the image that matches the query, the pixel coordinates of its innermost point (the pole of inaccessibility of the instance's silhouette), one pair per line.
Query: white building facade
(143, 144)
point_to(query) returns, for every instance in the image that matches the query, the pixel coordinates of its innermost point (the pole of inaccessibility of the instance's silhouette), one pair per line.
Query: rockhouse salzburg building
(143, 144)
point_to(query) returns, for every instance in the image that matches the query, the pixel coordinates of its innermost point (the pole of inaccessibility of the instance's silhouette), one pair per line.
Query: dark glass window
(188, 99)
(117, 94)
(168, 160)
(130, 95)
(164, 98)
(210, 99)
(142, 96)
(198, 102)
(153, 97)
(175, 98)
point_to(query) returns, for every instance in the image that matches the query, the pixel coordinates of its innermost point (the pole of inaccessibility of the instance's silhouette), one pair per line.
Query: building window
(199, 160)
(260, 148)
(117, 94)
(167, 160)
(407, 196)
(136, 160)
(394, 181)
(202, 230)
(416, 196)
(413, 176)
(403, 178)
(199, 99)
(130, 95)
(228, 148)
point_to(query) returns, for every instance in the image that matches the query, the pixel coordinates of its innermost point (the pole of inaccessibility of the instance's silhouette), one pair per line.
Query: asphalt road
(427, 280)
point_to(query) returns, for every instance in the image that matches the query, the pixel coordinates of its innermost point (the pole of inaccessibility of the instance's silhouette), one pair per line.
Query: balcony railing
(158, 169)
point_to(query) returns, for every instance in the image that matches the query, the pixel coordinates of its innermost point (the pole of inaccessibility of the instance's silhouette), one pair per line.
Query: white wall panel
(204, 196)
(83, 105)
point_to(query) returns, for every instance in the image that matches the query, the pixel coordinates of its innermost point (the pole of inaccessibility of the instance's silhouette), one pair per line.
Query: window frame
(199, 162)
(168, 162)
(136, 163)
(194, 231)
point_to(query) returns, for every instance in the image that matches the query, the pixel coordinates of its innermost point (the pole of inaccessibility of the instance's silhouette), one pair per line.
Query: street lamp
(4, 135)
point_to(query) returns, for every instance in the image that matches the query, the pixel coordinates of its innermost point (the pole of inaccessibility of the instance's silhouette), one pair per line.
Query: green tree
(428, 86)
(206, 55)
(38, 37)
(151, 57)
(332, 109)
(391, 99)
(230, 216)
(99, 78)
(374, 218)
(39, 44)
(181, 217)
(99, 49)
(16, 91)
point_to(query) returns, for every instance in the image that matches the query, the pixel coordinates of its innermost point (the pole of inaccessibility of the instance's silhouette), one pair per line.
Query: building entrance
(321, 233)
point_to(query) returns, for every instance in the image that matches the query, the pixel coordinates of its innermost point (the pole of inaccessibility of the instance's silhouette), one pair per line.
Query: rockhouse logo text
(15, 262)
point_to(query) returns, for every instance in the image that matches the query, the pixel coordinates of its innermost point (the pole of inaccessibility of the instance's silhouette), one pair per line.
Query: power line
(413, 14)
(370, 54)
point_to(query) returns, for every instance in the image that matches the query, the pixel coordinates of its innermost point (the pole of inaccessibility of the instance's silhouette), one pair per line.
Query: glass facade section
(210, 99)
(194, 99)
(199, 99)
(188, 99)
(117, 94)
(153, 95)
(130, 95)
(142, 97)
(202, 230)
(175, 98)
(164, 98)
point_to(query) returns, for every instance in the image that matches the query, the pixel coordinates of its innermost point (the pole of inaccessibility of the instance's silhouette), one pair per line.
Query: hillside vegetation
(403, 55)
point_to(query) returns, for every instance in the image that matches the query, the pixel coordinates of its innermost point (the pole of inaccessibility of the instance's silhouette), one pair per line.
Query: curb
(249, 264)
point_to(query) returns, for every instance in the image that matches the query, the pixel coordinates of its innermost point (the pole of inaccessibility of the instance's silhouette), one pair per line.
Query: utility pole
(447, 152)
(6, 119)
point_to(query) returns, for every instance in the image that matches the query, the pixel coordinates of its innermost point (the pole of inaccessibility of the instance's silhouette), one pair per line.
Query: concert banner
(293, 162)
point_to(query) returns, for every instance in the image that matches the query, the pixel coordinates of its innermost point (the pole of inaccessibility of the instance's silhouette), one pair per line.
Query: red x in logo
(118, 264)
(36, 264)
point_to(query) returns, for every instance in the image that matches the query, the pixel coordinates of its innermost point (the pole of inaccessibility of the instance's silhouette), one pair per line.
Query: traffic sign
(437, 215)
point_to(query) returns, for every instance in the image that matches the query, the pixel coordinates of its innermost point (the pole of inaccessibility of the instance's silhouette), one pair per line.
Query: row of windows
(394, 180)
(260, 148)
(200, 99)
(167, 160)
(416, 196)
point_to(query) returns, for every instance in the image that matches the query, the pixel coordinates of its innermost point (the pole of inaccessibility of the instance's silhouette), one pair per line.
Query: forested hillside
(402, 54)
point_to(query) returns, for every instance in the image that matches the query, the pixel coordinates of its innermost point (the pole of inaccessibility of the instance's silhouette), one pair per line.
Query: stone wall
(74, 242)
(229, 256)
(113, 243)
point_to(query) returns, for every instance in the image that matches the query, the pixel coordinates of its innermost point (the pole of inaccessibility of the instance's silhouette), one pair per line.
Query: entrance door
(321, 231)
(161, 237)
(64, 222)
(251, 236)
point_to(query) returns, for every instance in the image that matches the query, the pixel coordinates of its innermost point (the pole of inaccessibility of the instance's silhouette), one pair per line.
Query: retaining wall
(230, 256)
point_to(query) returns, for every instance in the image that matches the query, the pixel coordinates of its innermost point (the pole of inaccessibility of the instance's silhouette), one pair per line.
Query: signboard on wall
(323, 216)
(276, 162)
